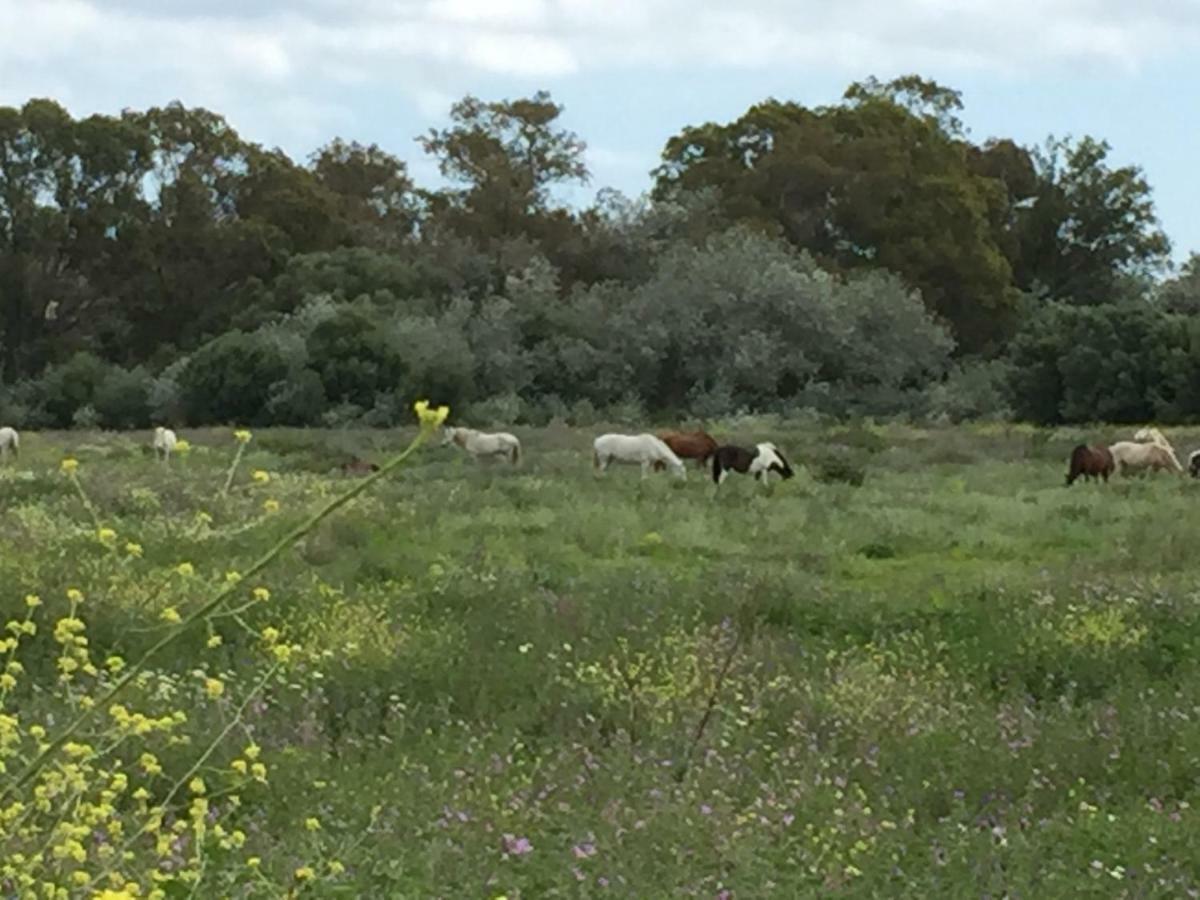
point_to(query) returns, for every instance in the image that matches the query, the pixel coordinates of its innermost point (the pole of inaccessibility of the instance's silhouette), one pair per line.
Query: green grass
(959, 678)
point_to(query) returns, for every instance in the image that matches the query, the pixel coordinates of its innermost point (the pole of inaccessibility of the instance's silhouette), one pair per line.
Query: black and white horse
(760, 462)
(1194, 464)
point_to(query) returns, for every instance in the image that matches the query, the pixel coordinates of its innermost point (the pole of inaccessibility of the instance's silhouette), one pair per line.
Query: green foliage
(231, 378)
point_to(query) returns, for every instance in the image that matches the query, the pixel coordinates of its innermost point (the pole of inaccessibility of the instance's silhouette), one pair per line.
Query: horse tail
(516, 453)
(716, 468)
(596, 460)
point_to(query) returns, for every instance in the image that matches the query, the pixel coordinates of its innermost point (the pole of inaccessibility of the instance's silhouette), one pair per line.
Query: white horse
(164, 442)
(481, 444)
(645, 450)
(1135, 456)
(1154, 436)
(9, 440)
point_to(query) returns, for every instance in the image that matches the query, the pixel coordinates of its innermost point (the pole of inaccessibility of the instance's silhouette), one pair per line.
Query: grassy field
(921, 668)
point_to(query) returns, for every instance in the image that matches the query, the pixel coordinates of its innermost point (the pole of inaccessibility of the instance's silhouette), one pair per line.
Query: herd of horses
(1148, 451)
(653, 452)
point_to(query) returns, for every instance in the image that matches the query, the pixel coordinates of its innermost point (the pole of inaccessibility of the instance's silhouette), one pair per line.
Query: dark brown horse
(358, 467)
(697, 445)
(1090, 462)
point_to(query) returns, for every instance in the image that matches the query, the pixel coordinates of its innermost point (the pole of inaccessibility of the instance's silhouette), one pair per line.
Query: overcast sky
(630, 72)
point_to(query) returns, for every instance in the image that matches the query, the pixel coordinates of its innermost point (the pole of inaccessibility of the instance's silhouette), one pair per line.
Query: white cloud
(293, 62)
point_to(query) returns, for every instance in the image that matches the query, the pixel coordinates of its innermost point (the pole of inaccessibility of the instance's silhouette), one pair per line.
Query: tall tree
(377, 197)
(507, 156)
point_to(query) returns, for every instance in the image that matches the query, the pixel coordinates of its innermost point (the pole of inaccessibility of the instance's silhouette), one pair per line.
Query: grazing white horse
(9, 440)
(1134, 456)
(1154, 436)
(645, 450)
(480, 443)
(164, 442)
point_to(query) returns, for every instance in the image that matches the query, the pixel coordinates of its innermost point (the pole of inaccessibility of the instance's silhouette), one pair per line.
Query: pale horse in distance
(1150, 451)
(9, 440)
(164, 442)
(481, 444)
(645, 450)
(1154, 436)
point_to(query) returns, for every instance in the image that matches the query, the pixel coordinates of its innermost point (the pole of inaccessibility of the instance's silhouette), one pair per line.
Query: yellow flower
(252, 751)
(239, 766)
(270, 635)
(197, 786)
(270, 506)
(75, 595)
(134, 550)
(335, 867)
(33, 600)
(242, 436)
(430, 418)
(260, 476)
(106, 535)
(305, 873)
(69, 465)
(171, 614)
(7, 681)
(254, 862)
(182, 446)
(282, 652)
(232, 577)
(262, 594)
(185, 569)
(214, 687)
(108, 894)
(213, 641)
(259, 771)
(312, 824)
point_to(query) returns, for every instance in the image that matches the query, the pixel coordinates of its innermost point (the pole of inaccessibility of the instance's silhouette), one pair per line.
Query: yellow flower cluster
(430, 418)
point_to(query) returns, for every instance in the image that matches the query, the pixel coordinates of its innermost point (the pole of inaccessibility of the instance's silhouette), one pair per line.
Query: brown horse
(1090, 462)
(358, 467)
(697, 445)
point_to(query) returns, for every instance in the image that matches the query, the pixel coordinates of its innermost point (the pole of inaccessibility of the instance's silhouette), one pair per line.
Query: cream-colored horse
(9, 440)
(646, 450)
(479, 443)
(164, 442)
(1154, 436)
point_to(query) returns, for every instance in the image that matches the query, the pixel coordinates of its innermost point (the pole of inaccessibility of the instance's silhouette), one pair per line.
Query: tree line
(862, 258)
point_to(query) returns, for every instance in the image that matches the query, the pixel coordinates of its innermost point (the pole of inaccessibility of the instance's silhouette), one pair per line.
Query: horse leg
(645, 467)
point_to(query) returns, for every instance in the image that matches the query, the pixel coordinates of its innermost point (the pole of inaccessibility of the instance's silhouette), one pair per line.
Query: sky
(630, 73)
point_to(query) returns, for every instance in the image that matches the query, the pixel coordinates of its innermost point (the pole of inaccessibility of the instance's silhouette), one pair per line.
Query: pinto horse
(760, 462)
(697, 445)
(1090, 462)
(1194, 464)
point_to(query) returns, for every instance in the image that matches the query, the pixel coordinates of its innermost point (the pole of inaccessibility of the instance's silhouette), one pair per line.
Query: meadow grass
(923, 667)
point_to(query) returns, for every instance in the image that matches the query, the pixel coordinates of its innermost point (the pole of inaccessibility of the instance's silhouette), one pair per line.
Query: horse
(358, 467)
(481, 444)
(1090, 462)
(1194, 463)
(9, 440)
(164, 442)
(1135, 456)
(697, 445)
(760, 462)
(1154, 436)
(645, 450)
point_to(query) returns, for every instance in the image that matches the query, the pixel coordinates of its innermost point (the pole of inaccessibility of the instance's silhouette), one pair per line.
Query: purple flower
(584, 850)
(726, 894)
(705, 809)
(788, 819)
(517, 846)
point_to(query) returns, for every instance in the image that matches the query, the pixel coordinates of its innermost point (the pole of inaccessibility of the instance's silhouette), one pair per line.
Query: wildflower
(75, 595)
(242, 436)
(430, 418)
(239, 766)
(150, 764)
(517, 846)
(69, 465)
(7, 682)
(270, 635)
(282, 652)
(270, 506)
(114, 664)
(33, 601)
(171, 614)
(254, 862)
(232, 577)
(335, 867)
(305, 873)
(524, 648)
(213, 641)
(259, 771)
(182, 446)
(134, 550)
(252, 751)
(185, 570)
(312, 824)
(260, 476)
(197, 786)
(214, 687)
(261, 594)
(106, 535)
